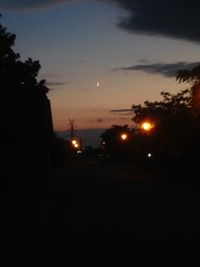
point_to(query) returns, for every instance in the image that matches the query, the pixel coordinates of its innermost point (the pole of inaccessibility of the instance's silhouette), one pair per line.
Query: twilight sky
(133, 48)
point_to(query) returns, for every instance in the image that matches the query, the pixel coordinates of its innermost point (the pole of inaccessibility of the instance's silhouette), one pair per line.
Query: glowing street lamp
(147, 126)
(75, 143)
(124, 136)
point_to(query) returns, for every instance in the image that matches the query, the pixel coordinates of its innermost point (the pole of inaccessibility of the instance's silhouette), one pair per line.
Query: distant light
(74, 142)
(76, 145)
(79, 152)
(103, 142)
(124, 136)
(147, 126)
(97, 84)
(149, 155)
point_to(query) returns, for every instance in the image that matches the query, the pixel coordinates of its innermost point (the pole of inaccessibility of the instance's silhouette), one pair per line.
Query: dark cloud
(172, 18)
(110, 119)
(120, 110)
(30, 4)
(168, 70)
(55, 83)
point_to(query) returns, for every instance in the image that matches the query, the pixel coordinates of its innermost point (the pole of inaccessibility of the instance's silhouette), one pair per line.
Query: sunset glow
(92, 64)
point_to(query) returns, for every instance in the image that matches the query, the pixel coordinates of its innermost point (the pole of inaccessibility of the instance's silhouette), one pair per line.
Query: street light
(75, 143)
(147, 126)
(124, 136)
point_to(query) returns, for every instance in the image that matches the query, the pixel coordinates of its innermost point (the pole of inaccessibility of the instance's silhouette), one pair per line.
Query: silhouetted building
(27, 134)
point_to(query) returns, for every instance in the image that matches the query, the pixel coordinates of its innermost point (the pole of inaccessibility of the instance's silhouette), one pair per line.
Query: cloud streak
(103, 120)
(56, 83)
(120, 110)
(172, 18)
(167, 70)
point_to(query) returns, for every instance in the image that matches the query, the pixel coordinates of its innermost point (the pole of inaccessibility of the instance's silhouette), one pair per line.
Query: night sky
(133, 49)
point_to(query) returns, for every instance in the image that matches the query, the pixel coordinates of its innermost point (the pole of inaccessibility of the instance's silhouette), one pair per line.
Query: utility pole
(71, 123)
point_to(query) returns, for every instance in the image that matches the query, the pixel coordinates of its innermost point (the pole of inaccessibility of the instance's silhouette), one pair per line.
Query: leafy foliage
(176, 118)
(192, 77)
(114, 144)
(17, 78)
(176, 131)
(26, 121)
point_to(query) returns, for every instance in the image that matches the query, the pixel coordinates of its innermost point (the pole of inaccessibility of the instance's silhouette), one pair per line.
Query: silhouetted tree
(176, 120)
(26, 122)
(192, 77)
(113, 143)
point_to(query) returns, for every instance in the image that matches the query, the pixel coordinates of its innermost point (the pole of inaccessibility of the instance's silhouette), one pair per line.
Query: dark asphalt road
(94, 200)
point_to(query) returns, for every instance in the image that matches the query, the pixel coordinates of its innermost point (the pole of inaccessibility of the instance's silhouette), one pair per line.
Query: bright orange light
(74, 142)
(147, 126)
(124, 136)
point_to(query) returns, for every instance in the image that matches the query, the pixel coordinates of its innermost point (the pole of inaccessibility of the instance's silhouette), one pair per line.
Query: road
(99, 199)
(112, 197)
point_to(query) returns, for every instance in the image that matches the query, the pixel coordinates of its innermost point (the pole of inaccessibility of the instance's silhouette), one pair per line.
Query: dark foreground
(85, 210)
